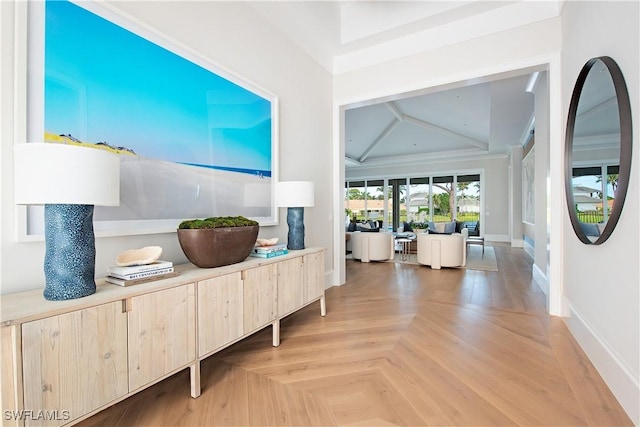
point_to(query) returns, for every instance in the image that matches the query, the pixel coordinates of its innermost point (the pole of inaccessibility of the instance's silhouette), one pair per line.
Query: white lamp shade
(51, 173)
(294, 194)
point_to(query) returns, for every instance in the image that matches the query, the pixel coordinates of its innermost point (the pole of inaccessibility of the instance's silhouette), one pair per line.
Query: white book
(123, 282)
(142, 273)
(114, 269)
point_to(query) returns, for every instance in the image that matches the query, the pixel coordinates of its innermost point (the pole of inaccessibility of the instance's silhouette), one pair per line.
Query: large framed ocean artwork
(194, 140)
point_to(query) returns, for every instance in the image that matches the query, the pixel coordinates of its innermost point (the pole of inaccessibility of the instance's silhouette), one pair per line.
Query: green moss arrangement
(217, 222)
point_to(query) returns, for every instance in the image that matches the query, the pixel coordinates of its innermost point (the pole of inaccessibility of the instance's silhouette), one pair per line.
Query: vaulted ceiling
(481, 119)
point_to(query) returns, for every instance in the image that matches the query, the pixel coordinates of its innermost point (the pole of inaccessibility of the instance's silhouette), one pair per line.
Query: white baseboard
(517, 243)
(330, 280)
(620, 378)
(541, 279)
(529, 249)
(496, 238)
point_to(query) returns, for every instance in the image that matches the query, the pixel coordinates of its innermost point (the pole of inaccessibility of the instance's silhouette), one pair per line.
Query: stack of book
(132, 275)
(269, 251)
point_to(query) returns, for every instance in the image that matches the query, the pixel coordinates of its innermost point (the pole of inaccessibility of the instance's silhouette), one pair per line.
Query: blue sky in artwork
(104, 83)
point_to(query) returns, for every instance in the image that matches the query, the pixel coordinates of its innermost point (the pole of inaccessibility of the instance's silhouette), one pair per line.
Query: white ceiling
(463, 119)
(482, 119)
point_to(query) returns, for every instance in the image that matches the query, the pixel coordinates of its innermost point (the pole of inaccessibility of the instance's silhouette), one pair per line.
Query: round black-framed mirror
(598, 150)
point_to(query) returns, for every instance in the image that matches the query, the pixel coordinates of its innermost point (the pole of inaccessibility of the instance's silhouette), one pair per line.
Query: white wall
(233, 36)
(601, 283)
(516, 229)
(504, 51)
(494, 202)
(541, 233)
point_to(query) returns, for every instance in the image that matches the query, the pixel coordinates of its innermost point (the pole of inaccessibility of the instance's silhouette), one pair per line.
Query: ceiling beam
(400, 117)
(593, 142)
(587, 114)
(350, 161)
(425, 158)
(447, 132)
(379, 139)
(395, 110)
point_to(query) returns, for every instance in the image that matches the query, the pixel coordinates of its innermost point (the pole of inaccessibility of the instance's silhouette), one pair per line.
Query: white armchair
(348, 242)
(442, 250)
(372, 246)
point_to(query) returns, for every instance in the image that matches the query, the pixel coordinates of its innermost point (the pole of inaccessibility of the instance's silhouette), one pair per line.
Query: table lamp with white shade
(295, 196)
(68, 180)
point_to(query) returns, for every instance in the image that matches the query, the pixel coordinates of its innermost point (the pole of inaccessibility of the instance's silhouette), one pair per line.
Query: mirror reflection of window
(594, 189)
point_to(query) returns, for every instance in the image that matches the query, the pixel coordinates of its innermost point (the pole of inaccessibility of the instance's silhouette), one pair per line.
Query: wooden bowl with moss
(217, 241)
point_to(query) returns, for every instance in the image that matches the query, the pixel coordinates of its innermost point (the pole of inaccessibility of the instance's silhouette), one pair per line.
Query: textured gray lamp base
(70, 258)
(295, 220)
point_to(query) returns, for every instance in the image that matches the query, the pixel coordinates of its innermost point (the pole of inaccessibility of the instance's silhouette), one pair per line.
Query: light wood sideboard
(63, 361)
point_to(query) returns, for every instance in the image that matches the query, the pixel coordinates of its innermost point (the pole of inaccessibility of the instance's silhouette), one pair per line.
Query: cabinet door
(259, 292)
(290, 286)
(313, 276)
(161, 334)
(74, 363)
(220, 308)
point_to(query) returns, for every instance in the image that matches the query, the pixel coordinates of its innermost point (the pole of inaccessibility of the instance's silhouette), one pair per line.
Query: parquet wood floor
(400, 345)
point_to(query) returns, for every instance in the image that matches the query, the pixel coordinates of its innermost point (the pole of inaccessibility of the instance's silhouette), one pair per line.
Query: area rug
(475, 260)
(408, 259)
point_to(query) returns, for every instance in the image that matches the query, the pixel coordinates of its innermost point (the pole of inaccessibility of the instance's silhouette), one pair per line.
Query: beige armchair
(372, 246)
(442, 250)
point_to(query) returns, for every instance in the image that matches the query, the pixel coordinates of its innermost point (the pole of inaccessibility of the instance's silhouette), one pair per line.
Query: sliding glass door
(443, 198)
(375, 200)
(418, 200)
(398, 191)
(355, 200)
(468, 198)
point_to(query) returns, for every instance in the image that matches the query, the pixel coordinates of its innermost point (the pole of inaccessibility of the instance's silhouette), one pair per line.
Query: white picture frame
(30, 224)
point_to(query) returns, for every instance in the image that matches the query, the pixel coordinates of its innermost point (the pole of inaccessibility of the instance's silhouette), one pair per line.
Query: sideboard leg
(276, 333)
(194, 370)
(323, 306)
